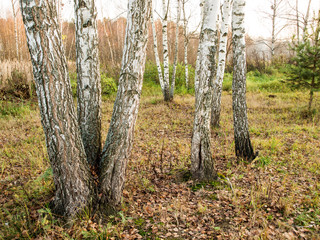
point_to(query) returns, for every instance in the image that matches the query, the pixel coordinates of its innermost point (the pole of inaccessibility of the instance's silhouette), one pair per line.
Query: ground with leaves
(275, 197)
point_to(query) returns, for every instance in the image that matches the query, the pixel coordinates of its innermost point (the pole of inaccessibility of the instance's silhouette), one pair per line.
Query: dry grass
(7, 67)
(275, 197)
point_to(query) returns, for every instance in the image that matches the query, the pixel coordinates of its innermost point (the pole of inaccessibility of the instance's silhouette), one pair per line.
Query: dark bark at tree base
(243, 148)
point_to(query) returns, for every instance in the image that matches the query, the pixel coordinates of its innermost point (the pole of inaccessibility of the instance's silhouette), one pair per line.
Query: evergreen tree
(305, 70)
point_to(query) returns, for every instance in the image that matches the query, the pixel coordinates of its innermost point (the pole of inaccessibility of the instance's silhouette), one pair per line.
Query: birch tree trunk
(156, 54)
(15, 28)
(173, 81)
(243, 146)
(196, 79)
(202, 164)
(217, 90)
(273, 37)
(165, 51)
(72, 177)
(88, 78)
(186, 43)
(305, 22)
(120, 136)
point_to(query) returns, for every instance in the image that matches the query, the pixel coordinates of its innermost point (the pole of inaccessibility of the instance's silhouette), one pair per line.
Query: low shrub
(108, 84)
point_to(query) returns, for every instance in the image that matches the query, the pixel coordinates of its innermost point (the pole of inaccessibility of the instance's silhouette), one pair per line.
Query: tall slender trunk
(120, 136)
(243, 147)
(165, 51)
(186, 65)
(156, 54)
(273, 37)
(198, 66)
(217, 89)
(88, 77)
(173, 81)
(15, 28)
(305, 23)
(186, 43)
(72, 177)
(202, 164)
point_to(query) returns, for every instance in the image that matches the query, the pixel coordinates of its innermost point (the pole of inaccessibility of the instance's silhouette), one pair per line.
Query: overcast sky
(256, 22)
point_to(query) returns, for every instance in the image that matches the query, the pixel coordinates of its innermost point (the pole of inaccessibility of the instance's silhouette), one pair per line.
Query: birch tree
(166, 83)
(75, 188)
(156, 54)
(202, 164)
(71, 173)
(305, 22)
(243, 147)
(217, 89)
(186, 44)
(120, 136)
(88, 78)
(175, 61)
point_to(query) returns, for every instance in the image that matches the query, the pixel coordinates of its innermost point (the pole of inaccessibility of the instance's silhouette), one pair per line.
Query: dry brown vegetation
(275, 197)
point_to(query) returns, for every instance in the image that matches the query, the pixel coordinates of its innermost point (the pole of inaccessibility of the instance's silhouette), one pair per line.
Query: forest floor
(274, 197)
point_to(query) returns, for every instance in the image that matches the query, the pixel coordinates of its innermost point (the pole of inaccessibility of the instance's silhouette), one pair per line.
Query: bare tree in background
(14, 12)
(175, 61)
(299, 19)
(243, 147)
(305, 22)
(217, 89)
(107, 35)
(156, 54)
(202, 164)
(186, 43)
(277, 15)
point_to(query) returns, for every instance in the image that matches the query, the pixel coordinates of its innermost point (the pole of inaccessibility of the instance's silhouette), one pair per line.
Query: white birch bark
(243, 147)
(202, 164)
(71, 173)
(156, 54)
(118, 144)
(217, 89)
(186, 43)
(88, 78)
(305, 22)
(175, 61)
(196, 80)
(165, 51)
(273, 37)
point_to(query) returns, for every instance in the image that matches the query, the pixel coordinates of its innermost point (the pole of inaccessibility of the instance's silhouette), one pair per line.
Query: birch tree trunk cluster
(84, 172)
(74, 142)
(164, 78)
(208, 86)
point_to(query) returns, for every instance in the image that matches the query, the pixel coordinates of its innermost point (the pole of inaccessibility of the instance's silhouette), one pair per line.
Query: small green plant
(12, 109)
(263, 161)
(108, 85)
